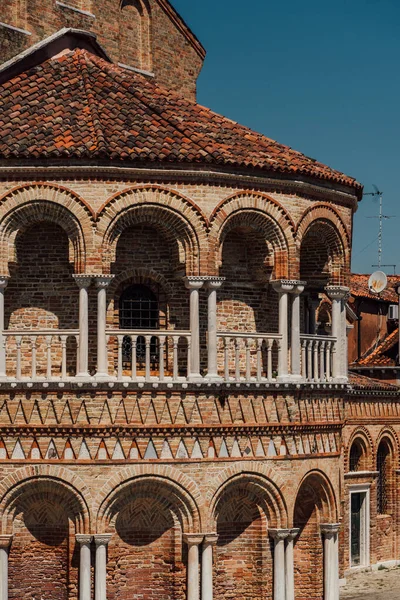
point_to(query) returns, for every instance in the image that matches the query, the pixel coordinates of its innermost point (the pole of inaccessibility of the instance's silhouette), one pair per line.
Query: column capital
(5, 541)
(210, 539)
(279, 534)
(329, 529)
(194, 282)
(83, 538)
(193, 539)
(102, 281)
(213, 283)
(293, 533)
(298, 287)
(83, 281)
(4, 281)
(284, 285)
(337, 292)
(102, 539)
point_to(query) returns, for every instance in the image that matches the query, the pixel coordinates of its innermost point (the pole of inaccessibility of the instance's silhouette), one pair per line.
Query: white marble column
(339, 296)
(330, 532)
(213, 284)
(295, 346)
(5, 542)
(283, 287)
(279, 536)
(194, 284)
(289, 563)
(3, 285)
(193, 542)
(83, 282)
(84, 542)
(102, 283)
(207, 586)
(100, 580)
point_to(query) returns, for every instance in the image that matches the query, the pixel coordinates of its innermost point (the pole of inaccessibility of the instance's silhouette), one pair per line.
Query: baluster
(134, 359)
(322, 374)
(269, 358)
(248, 343)
(175, 359)
(161, 354)
(259, 358)
(18, 341)
(77, 354)
(328, 360)
(148, 342)
(120, 340)
(227, 341)
(189, 359)
(237, 359)
(304, 359)
(316, 365)
(63, 356)
(309, 360)
(34, 357)
(49, 339)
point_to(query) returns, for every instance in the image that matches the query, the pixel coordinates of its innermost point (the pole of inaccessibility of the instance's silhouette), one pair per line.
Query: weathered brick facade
(218, 420)
(144, 34)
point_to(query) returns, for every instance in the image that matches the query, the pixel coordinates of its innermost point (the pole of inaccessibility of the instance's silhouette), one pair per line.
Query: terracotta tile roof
(382, 356)
(359, 288)
(79, 105)
(361, 381)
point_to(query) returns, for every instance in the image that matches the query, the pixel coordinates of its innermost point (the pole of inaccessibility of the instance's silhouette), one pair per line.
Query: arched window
(134, 34)
(139, 310)
(383, 464)
(356, 454)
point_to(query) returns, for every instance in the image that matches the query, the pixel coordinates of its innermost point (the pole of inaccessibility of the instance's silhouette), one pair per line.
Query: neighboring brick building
(171, 421)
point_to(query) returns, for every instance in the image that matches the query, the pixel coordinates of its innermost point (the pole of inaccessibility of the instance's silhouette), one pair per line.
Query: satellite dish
(377, 282)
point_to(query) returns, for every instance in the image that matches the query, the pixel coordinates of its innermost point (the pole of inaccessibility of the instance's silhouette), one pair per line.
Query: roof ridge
(97, 128)
(118, 72)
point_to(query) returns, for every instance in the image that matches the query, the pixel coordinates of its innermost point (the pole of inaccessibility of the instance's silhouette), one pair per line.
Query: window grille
(355, 457)
(139, 309)
(382, 491)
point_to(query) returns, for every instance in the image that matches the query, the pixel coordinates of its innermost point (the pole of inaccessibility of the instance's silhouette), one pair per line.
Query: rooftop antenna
(376, 193)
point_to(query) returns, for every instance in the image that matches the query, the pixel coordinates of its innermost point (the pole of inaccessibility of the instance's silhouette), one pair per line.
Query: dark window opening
(139, 310)
(355, 457)
(382, 490)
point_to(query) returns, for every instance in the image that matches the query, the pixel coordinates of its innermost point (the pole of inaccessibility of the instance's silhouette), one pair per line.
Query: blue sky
(320, 76)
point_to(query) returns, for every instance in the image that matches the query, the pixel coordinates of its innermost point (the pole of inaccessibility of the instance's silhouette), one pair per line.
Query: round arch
(24, 206)
(321, 489)
(361, 433)
(34, 488)
(179, 219)
(388, 433)
(325, 223)
(168, 485)
(263, 214)
(265, 480)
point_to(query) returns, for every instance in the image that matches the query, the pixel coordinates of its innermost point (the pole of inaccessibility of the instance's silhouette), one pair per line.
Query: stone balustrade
(174, 357)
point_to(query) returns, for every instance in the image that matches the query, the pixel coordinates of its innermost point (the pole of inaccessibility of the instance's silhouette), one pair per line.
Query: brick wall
(138, 33)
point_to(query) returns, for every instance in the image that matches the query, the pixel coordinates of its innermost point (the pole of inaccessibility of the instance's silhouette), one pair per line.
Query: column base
(102, 377)
(83, 376)
(195, 378)
(213, 378)
(284, 378)
(340, 379)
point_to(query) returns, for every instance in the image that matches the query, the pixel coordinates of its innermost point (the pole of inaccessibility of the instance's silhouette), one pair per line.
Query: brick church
(174, 424)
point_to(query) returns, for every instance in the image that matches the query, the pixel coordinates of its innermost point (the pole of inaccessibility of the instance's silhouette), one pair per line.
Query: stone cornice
(168, 430)
(269, 183)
